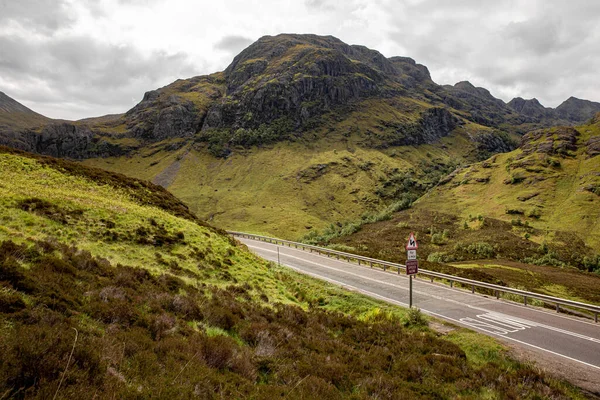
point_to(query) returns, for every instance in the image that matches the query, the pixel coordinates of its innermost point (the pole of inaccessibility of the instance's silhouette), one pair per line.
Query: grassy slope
(560, 198)
(191, 326)
(279, 189)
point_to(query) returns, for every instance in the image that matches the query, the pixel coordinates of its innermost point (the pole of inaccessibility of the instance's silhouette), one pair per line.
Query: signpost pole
(410, 291)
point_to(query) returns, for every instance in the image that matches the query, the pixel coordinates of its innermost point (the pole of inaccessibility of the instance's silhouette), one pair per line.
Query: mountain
(298, 132)
(570, 111)
(24, 129)
(285, 86)
(110, 285)
(531, 108)
(289, 85)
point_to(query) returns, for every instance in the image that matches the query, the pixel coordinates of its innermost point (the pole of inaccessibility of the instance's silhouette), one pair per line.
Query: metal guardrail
(373, 262)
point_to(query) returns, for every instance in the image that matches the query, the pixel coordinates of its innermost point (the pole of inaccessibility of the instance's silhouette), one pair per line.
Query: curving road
(546, 336)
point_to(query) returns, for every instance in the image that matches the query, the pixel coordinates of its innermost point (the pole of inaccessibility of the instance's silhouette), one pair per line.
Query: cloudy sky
(80, 58)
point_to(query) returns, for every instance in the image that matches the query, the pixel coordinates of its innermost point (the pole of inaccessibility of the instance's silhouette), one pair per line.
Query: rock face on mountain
(61, 140)
(436, 123)
(158, 119)
(284, 86)
(297, 77)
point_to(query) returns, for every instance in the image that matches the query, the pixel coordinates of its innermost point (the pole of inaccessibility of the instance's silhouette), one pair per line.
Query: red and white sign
(412, 242)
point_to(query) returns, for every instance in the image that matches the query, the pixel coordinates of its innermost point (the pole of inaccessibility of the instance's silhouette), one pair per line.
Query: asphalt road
(572, 342)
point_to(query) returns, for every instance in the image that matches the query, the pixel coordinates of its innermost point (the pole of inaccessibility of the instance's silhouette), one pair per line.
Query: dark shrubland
(142, 335)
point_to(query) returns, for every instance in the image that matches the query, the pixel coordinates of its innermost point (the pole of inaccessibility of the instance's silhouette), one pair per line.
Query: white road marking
(498, 324)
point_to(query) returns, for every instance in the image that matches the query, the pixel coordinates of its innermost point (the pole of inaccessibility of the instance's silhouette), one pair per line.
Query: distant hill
(14, 115)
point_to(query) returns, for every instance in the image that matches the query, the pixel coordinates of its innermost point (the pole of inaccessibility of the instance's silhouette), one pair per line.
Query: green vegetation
(221, 141)
(103, 293)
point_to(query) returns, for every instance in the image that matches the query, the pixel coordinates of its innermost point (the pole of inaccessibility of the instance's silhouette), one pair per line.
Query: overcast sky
(80, 58)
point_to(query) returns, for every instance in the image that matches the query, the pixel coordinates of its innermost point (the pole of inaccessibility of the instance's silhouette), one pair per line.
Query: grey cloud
(233, 43)
(85, 72)
(545, 53)
(318, 4)
(44, 16)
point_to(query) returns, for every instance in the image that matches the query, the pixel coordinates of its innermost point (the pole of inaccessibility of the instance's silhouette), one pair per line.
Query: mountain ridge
(286, 85)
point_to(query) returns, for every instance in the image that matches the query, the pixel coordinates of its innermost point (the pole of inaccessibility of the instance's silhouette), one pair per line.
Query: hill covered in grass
(110, 288)
(551, 182)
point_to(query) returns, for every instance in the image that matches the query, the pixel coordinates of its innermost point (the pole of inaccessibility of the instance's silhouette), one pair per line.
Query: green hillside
(289, 189)
(552, 182)
(111, 288)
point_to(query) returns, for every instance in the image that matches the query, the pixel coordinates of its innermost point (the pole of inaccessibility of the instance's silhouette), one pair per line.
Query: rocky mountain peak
(468, 87)
(408, 67)
(531, 107)
(577, 109)
(288, 57)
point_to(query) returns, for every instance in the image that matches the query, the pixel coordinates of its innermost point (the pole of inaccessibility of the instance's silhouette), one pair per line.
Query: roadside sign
(412, 267)
(412, 242)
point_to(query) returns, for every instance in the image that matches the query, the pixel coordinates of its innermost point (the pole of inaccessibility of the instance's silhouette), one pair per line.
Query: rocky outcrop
(411, 74)
(561, 141)
(63, 140)
(155, 119)
(433, 124)
(436, 123)
(489, 143)
(592, 147)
